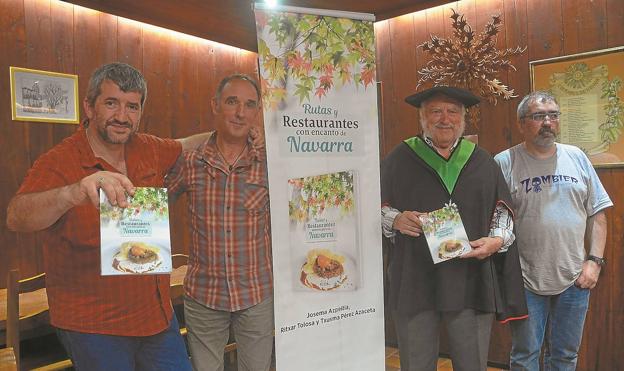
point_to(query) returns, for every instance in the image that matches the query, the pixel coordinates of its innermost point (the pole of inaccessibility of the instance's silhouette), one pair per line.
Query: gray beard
(543, 141)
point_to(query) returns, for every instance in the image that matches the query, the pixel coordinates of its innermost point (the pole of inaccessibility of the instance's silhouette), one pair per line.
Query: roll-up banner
(317, 72)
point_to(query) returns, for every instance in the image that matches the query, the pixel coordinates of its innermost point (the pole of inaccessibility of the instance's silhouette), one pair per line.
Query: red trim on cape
(513, 319)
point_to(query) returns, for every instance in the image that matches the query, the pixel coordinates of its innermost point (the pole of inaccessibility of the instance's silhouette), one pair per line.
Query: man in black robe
(423, 174)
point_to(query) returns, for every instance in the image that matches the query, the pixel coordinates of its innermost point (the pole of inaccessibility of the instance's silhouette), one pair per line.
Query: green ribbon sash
(447, 170)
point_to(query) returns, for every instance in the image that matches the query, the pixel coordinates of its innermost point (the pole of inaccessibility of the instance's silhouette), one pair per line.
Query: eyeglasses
(541, 116)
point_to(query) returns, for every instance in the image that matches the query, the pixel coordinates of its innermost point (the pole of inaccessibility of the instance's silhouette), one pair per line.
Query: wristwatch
(600, 261)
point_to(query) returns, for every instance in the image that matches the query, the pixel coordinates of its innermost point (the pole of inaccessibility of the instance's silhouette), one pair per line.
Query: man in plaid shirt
(229, 280)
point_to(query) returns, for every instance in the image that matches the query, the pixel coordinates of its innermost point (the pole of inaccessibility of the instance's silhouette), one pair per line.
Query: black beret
(462, 95)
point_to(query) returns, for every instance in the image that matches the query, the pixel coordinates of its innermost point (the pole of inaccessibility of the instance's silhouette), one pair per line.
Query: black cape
(492, 285)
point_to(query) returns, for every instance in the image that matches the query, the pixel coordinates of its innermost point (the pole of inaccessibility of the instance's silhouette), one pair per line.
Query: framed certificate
(590, 90)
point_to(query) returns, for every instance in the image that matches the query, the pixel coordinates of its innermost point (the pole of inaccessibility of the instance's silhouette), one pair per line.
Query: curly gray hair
(128, 78)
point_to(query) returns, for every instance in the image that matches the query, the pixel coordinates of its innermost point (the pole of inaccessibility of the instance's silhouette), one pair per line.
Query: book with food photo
(445, 233)
(136, 239)
(324, 232)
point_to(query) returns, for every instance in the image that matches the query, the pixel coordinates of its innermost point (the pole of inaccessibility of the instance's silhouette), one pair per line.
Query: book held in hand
(445, 233)
(135, 239)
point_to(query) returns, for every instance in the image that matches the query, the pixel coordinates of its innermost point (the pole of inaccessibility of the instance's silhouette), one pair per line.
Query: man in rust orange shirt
(104, 322)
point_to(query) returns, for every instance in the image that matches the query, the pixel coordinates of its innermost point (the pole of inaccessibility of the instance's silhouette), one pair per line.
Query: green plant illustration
(145, 199)
(312, 195)
(316, 52)
(611, 129)
(438, 218)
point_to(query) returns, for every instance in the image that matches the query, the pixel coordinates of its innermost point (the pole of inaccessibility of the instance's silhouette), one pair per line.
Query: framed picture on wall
(590, 90)
(43, 96)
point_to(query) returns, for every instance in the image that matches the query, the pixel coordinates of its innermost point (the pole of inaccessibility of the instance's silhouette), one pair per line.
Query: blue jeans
(561, 318)
(94, 352)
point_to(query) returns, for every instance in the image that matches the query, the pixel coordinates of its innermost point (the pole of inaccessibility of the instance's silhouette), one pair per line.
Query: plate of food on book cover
(453, 248)
(326, 270)
(137, 257)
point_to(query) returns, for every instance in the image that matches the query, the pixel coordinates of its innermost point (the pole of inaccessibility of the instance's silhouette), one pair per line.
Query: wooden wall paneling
(584, 25)
(207, 83)
(227, 61)
(384, 77)
(62, 16)
(601, 345)
(494, 121)
(426, 23)
(87, 56)
(241, 62)
(515, 15)
(185, 91)
(158, 52)
(108, 37)
(13, 134)
(185, 121)
(421, 35)
(437, 22)
(616, 233)
(184, 106)
(95, 43)
(615, 20)
(544, 29)
(610, 351)
(403, 51)
(130, 42)
(39, 55)
(248, 63)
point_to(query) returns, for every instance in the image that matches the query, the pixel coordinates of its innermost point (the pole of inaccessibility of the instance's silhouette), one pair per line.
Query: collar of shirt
(87, 157)
(210, 154)
(134, 157)
(429, 142)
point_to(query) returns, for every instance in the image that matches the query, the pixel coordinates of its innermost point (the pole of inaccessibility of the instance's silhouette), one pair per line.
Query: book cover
(324, 232)
(136, 239)
(445, 233)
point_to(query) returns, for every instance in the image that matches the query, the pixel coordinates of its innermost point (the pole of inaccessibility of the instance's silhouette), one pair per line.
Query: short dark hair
(128, 78)
(535, 96)
(236, 76)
